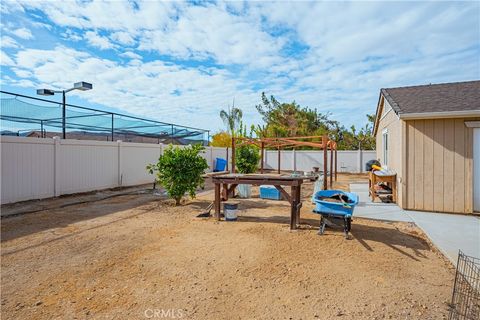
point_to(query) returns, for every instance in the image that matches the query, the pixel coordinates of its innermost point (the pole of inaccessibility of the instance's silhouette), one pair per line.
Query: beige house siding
(390, 121)
(439, 165)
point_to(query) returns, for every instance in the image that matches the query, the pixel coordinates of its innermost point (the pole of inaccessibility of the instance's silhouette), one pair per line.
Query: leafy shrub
(247, 158)
(179, 170)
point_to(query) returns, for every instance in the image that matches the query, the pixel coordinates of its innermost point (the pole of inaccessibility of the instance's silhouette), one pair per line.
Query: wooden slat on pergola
(283, 142)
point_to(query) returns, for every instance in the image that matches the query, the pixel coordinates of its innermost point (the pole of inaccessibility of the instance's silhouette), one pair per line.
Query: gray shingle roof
(457, 96)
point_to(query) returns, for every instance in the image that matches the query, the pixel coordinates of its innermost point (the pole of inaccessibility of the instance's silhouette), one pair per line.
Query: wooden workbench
(225, 186)
(390, 180)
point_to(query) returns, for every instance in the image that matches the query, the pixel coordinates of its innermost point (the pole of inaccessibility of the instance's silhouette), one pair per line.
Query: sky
(183, 62)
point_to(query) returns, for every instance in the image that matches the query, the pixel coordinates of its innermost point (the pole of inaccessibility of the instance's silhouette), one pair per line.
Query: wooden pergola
(280, 143)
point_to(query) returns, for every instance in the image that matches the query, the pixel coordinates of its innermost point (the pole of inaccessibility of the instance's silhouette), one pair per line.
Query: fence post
(211, 158)
(56, 166)
(119, 163)
(359, 160)
(294, 159)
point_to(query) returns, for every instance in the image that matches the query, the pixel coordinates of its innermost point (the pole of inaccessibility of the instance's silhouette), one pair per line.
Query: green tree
(232, 117)
(290, 119)
(179, 170)
(247, 158)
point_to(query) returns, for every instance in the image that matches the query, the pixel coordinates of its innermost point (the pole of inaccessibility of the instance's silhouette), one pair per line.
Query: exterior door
(476, 169)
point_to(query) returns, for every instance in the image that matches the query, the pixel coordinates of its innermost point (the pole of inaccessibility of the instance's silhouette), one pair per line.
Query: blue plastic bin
(268, 192)
(335, 208)
(220, 165)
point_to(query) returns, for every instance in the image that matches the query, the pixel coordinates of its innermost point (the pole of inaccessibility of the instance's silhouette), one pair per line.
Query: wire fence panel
(466, 289)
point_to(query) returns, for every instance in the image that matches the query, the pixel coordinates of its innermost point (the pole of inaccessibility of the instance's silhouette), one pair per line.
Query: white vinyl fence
(35, 168)
(347, 161)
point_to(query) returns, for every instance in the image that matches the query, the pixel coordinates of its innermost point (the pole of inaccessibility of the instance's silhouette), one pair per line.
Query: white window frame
(385, 146)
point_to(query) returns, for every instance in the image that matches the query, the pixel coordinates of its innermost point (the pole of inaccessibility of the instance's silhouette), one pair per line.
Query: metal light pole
(82, 86)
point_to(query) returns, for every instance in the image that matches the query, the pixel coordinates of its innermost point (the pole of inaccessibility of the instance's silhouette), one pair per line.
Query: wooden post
(331, 164)
(224, 192)
(261, 157)
(217, 201)
(278, 159)
(293, 208)
(227, 160)
(233, 154)
(324, 145)
(298, 205)
(336, 168)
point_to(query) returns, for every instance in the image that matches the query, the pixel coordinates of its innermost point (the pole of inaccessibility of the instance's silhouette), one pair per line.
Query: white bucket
(230, 210)
(244, 190)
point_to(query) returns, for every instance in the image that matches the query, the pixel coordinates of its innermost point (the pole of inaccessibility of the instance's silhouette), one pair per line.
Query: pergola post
(227, 160)
(261, 156)
(336, 162)
(324, 145)
(331, 164)
(233, 154)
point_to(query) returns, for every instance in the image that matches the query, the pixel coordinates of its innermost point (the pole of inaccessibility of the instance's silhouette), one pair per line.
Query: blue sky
(182, 62)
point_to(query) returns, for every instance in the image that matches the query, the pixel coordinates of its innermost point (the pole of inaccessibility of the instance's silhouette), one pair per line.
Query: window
(385, 147)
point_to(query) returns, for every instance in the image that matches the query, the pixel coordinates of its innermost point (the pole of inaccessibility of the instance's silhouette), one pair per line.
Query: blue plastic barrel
(220, 165)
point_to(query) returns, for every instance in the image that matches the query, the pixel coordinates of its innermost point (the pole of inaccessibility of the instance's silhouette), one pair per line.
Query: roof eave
(440, 115)
(377, 118)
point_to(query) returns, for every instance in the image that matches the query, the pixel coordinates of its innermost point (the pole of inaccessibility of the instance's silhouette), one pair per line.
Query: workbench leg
(299, 200)
(293, 208)
(225, 192)
(217, 201)
(394, 189)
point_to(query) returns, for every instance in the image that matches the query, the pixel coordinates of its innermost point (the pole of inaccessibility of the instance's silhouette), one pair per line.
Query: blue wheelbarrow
(335, 208)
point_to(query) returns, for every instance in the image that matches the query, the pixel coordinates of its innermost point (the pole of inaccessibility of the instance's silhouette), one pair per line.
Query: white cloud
(98, 41)
(172, 28)
(22, 73)
(123, 38)
(211, 32)
(5, 60)
(330, 55)
(23, 33)
(144, 88)
(131, 55)
(107, 15)
(8, 42)
(71, 35)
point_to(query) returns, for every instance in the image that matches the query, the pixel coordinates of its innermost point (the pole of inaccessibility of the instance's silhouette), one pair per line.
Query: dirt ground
(138, 257)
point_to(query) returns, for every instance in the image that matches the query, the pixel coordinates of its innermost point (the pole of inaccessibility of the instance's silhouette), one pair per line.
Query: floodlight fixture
(82, 86)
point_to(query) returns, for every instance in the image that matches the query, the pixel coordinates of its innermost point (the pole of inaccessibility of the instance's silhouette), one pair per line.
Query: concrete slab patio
(448, 232)
(378, 211)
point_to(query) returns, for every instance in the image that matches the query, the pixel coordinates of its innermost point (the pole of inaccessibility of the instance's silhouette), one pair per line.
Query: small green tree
(247, 158)
(179, 170)
(232, 118)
